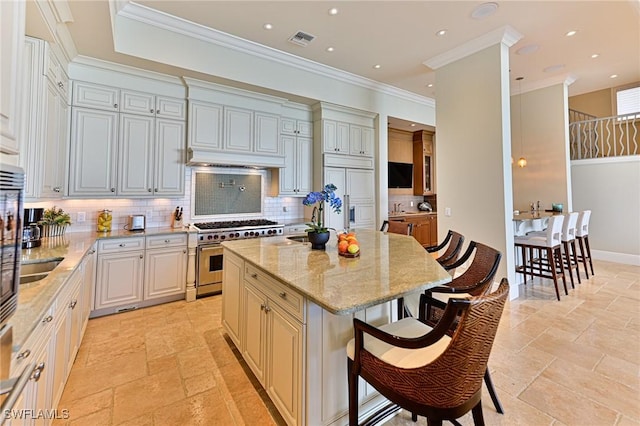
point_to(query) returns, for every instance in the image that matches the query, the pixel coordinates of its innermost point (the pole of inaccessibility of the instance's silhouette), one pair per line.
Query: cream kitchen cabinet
(360, 141)
(356, 187)
(273, 339)
(95, 96)
(54, 152)
(347, 139)
(296, 177)
(232, 288)
(120, 273)
(205, 126)
(165, 266)
(12, 15)
(247, 131)
(137, 156)
(294, 127)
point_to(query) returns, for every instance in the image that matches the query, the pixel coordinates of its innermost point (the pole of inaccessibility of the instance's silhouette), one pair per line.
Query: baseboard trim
(610, 256)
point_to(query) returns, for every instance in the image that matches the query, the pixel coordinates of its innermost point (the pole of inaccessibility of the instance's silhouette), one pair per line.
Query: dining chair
(397, 227)
(453, 243)
(544, 254)
(426, 370)
(582, 235)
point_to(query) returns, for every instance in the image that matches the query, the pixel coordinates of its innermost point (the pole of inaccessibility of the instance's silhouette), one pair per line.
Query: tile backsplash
(159, 210)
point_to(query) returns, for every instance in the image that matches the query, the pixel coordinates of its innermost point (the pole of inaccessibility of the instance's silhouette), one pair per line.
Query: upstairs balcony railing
(604, 137)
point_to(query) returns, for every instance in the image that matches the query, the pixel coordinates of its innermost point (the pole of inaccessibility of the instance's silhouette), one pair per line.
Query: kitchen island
(290, 310)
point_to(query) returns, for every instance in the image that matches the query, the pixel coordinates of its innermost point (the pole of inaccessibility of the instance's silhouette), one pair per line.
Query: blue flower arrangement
(326, 195)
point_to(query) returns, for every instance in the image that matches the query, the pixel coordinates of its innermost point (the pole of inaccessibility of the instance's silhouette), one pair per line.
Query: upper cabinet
(347, 139)
(295, 179)
(233, 127)
(12, 16)
(423, 163)
(126, 143)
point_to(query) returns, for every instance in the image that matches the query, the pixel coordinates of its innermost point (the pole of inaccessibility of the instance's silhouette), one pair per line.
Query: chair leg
(586, 242)
(401, 308)
(558, 256)
(492, 391)
(566, 255)
(583, 256)
(476, 412)
(434, 422)
(414, 417)
(353, 394)
(574, 252)
(552, 264)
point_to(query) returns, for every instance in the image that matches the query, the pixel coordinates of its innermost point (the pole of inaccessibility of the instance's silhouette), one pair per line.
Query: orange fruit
(342, 237)
(351, 234)
(342, 246)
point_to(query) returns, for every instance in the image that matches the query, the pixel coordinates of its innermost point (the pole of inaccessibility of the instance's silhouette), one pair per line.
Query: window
(628, 101)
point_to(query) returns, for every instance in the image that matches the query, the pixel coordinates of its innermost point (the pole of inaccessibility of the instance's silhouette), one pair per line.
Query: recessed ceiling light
(554, 68)
(484, 10)
(613, 76)
(525, 50)
(571, 33)
(267, 26)
(441, 33)
(330, 49)
(333, 11)
(595, 55)
(377, 66)
(413, 124)
(430, 85)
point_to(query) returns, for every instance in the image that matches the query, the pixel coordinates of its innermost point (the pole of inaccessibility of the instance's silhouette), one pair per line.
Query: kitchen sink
(299, 238)
(35, 271)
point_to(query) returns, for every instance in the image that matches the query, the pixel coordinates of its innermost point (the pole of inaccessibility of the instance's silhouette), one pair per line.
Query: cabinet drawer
(95, 96)
(288, 299)
(37, 339)
(114, 245)
(171, 108)
(170, 240)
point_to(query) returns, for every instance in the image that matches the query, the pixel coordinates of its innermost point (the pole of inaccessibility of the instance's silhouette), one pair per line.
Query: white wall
(610, 188)
(545, 145)
(474, 160)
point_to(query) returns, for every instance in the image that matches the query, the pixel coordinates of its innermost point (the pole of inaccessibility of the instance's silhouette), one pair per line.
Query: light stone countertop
(411, 214)
(35, 298)
(389, 266)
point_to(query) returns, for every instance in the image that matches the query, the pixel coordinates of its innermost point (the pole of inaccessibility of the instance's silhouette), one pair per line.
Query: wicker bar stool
(397, 227)
(428, 370)
(547, 247)
(453, 242)
(582, 235)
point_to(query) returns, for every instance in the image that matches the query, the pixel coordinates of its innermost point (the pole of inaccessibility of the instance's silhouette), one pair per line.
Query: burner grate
(234, 224)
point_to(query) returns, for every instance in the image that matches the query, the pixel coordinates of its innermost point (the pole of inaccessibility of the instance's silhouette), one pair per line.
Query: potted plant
(318, 234)
(54, 222)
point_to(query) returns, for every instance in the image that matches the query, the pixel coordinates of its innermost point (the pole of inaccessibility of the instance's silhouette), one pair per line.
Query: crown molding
(565, 79)
(149, 16)
(125, 69)
(55, 15)
(506, 35)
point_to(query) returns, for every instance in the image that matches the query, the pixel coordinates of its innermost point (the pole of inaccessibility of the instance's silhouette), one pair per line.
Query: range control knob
(247, 233)
(209, 237)
(215, 237)
(222, 237)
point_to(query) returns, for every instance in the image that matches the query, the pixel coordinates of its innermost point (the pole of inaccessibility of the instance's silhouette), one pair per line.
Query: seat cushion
(400, 357)
(533, 240)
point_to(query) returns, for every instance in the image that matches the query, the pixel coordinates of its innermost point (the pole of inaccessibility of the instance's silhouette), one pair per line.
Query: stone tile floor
(573, 362)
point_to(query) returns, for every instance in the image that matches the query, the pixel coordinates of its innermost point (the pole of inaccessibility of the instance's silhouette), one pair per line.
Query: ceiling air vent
(301, 38)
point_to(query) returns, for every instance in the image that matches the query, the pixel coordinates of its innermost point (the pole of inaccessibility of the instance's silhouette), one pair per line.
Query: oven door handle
(212, 247)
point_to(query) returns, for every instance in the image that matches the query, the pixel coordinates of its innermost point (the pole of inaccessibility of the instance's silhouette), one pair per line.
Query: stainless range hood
(199, 157)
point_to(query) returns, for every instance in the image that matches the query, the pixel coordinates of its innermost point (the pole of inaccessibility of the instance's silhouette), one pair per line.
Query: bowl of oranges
(348, 245)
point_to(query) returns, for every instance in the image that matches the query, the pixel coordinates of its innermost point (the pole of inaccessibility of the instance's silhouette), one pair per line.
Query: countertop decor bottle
(104, 221)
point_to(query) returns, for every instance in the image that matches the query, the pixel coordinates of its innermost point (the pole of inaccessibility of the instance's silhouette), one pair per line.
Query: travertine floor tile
(203, 409)
(87, 405)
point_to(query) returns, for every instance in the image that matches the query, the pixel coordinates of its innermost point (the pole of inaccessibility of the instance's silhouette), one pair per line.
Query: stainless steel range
(209, 258)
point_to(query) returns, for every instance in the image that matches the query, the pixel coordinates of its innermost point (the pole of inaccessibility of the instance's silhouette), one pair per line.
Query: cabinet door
(287, 174)
(285, 364)
(366, 143)
(96, 96)
(74, 312)
(267, 134)
(119, 279)
(304, 129)
(205, 125)
(135, 155)
(93, 158)
(232, 288)
(137, 103)
(41, 393)
(329, 136)
(304, 160)
(59, 352)
(337, 177)
(434, 230)
(238, 129)
(171, 108)
(54, 144)
(169, 158)
(342, 138)
(89, 281)
(361, 185)
(288, 126)
(422, 232)
(363, 215)
(254, 334)
(355, 140)
(165, 272)
(12, 14)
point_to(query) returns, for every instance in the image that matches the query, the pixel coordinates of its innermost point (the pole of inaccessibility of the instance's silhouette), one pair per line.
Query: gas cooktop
(215, 232)
(234, 224)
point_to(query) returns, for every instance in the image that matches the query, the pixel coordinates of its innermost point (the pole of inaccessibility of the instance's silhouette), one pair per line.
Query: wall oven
(209, 251)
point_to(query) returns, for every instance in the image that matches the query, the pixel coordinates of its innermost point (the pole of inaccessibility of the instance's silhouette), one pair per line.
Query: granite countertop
(389, 266)
(531, 216)
(412, 214)
(35, 298)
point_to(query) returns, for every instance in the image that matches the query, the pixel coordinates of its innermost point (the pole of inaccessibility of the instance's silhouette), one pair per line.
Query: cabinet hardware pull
(184, 251)
(155, 190)
(149, 190)
(122, 245)
(262, 306)
(113, 190)
(47, 319)
(141, 256)
(73, 304)
(267, 309)
(115, 105)
(283, 295)
(151, 110)
(254, 276)
(167, 241)
(56, 189)
(25, 354)
(35, 376)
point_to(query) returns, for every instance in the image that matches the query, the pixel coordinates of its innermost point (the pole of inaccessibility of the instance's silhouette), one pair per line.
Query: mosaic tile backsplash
(227, 194)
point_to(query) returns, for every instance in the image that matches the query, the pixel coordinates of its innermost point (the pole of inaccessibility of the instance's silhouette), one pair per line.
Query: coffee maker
(31, 231)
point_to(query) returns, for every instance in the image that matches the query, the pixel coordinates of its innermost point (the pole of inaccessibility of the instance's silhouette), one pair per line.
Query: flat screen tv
(400, 175)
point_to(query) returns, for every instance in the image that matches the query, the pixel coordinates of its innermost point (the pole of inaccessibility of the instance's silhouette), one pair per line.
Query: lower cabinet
(232, 287)
(425, 228)
(139, 271)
